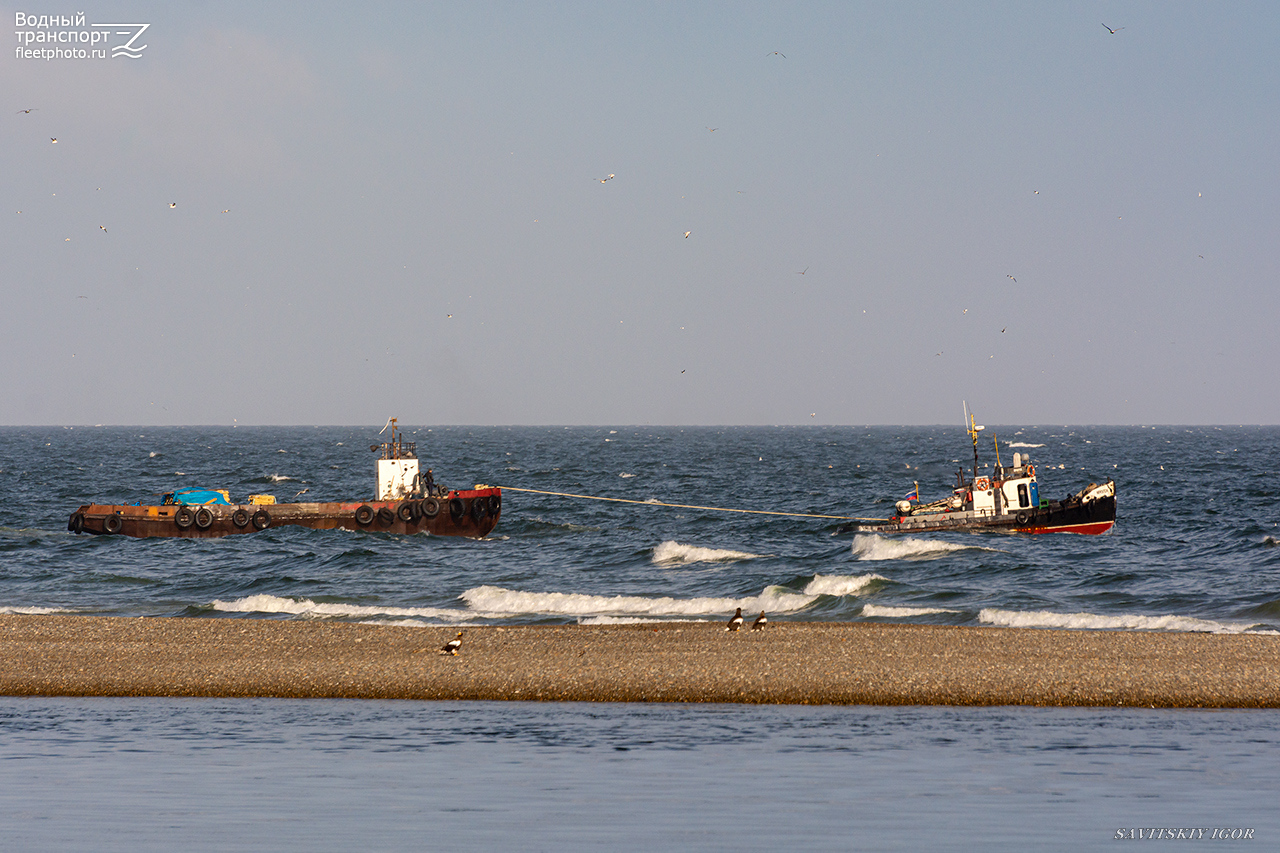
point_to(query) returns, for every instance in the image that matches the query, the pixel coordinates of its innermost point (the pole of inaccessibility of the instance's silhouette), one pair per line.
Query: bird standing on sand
(451, 647)
(736, 622)
(760, 622)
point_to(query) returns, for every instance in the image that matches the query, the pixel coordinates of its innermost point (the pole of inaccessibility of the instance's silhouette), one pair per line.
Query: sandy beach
(788, 663)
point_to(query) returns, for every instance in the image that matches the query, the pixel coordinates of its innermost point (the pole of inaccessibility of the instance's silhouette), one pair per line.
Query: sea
(761, 526)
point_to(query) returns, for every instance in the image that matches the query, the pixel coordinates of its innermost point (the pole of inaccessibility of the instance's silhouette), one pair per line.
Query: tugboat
(1009, 501)
(407, 502)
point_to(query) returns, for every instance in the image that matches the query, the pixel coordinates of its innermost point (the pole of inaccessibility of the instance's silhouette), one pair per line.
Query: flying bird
(736, 622)
(228, 210)
(33, 109)
(712, 129)
(803, 271)
(784, 56)
(1011, 278)
(451, 647)
(303, 492)
(760, 622)
(53, 140)
(173, 204)
(686, 234)
(104, 228)
(1002, 330)
(610, 178)
(1113, 32)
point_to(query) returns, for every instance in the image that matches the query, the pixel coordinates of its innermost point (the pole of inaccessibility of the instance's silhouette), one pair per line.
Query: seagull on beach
(760, 622)
(736, 622)
(451, 647)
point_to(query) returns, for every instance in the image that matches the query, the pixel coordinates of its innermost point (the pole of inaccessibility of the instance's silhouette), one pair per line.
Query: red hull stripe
(1091, 528)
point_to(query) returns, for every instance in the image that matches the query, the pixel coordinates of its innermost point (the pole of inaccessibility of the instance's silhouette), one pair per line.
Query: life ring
(1031, 470)
(430, 508)
(261, 520)
(112, 523)
(1022, 518)
(364, 515)
(981, 484)
(183, 517)
(385, 515)
(76, 524)
(479, 509)
(495, 504)
(405, 512)
(240, 518)
(456, 508)
(204, 518)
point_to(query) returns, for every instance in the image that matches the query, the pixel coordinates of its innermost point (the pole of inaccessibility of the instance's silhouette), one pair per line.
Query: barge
(407, 502)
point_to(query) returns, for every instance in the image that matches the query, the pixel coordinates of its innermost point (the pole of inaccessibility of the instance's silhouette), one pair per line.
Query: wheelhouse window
(1024, 500)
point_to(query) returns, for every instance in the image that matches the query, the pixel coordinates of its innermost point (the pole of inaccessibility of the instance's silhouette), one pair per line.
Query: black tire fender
(184, 517)
(495, 504)
(261, 520)
(365, 514)
(430, 508)
(1022, 517)
(112, 523)
(76, 524)
(204, 518)
(405, 512)
(456, 509)
(385, 515)
(240, 518)
(479, 509)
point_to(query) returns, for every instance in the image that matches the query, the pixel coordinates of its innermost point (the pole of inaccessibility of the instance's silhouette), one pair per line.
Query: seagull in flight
(712, 129)
(33, 109)
(784, 56)
(610, 178)
(173, 204)
(803, 271)
(686, 234)
(53, 140)
(1113, 32)
(104, 228)
(1011, 278)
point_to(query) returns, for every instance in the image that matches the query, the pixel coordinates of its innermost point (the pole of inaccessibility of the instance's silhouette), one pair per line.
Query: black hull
(1092, 517)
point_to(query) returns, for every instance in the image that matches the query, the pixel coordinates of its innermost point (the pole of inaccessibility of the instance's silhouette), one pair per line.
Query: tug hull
(471, 513)
(1091, 517)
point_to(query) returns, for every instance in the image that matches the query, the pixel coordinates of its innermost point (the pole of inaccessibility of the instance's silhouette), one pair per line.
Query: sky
(619, 213)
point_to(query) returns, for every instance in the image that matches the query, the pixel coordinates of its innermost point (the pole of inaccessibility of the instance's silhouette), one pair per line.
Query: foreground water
(1194, 549)
(117, 774)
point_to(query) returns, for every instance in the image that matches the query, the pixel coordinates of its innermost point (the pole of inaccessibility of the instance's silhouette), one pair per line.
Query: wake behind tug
(407, 503)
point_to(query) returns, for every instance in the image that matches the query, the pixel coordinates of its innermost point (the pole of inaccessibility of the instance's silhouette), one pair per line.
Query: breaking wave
(1022, 444)
(677, 552)
(876, 610)
(873, 547)
(840, 584)
(319, 609)
(32, 611)
(1132, 622)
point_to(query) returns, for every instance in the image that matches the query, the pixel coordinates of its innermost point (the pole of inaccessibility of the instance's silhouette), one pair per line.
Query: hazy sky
(399, 209)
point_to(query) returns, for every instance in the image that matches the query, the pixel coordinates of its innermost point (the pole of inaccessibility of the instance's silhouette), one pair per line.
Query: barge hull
(472, 513)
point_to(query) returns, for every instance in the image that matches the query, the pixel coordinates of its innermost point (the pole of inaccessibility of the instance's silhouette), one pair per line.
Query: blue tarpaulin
(197, 497)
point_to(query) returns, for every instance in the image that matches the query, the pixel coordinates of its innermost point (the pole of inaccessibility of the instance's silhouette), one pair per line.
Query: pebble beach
(787, 663)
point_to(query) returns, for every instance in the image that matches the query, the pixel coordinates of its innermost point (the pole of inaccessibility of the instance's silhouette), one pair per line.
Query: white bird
(53, 139)
(686, 234)
(104, 228)
(173, 204)
(610, 178)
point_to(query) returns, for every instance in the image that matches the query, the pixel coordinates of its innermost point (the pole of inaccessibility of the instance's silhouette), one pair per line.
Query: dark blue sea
(1194, 549)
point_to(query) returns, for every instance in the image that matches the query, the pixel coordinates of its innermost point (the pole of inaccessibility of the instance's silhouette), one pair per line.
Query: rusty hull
(472, 513)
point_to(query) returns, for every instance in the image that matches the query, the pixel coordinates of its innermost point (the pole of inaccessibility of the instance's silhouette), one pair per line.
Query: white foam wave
(625, 475)
(1022, 444)
(32, 611)
(901, 612)
(677, 552)
(497, 602)
(629, 620)
(840, 584)
(306, 607)
(278, 478)
(873, 547)
(1124, 621)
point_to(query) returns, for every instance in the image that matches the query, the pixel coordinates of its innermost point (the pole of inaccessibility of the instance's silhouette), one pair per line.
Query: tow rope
(688, 506)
